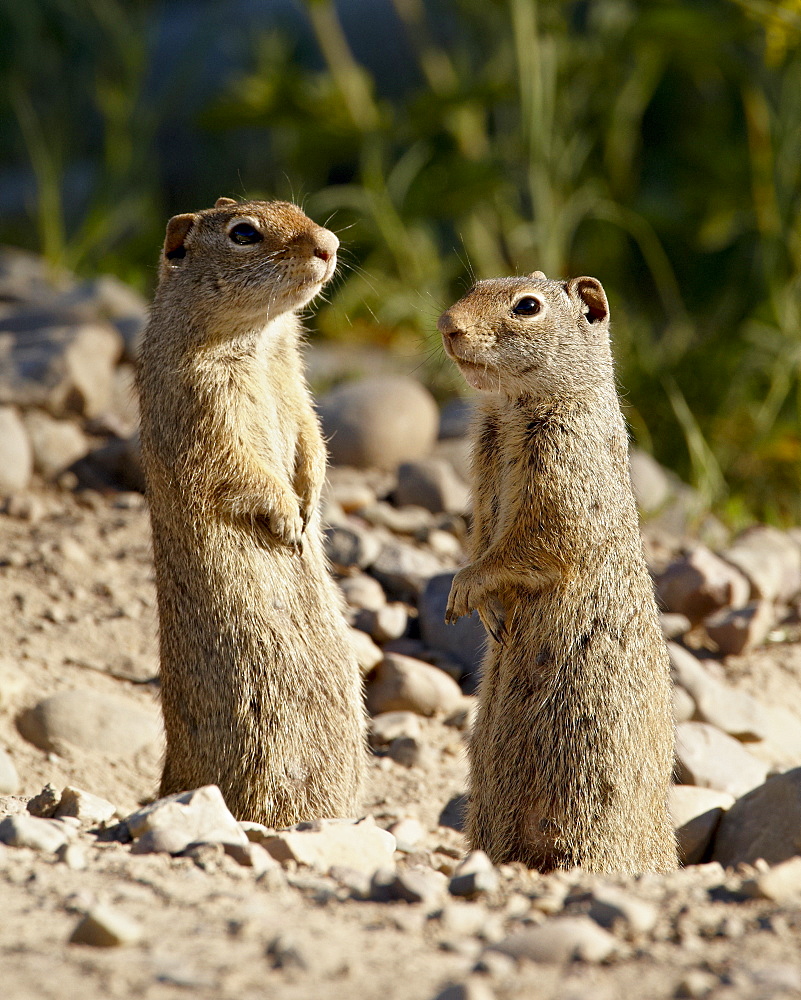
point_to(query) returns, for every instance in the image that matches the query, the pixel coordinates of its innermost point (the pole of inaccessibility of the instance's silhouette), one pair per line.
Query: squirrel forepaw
(286, 527)
(463, 597)
(493, 617)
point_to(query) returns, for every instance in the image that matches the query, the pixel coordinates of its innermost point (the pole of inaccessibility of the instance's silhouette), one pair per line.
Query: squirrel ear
(590, 293)
(222, 202)
(539, 275)
(177, 230)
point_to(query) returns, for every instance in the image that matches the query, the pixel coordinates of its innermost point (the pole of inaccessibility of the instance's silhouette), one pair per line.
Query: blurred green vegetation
(654, 144)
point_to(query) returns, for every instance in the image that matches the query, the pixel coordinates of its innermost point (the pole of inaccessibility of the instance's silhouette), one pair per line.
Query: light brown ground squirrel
(260, 689)
(572, 751)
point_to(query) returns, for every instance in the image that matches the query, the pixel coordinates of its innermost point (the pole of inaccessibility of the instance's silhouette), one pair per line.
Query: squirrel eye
(244, 233)
(527, 306)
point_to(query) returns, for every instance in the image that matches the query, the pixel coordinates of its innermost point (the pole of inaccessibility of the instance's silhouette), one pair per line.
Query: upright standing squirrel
(572, 752)
(260, 689)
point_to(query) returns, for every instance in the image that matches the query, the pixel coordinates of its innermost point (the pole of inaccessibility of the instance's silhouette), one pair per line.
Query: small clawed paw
(493, 616)
(287, 528)
(461, 600)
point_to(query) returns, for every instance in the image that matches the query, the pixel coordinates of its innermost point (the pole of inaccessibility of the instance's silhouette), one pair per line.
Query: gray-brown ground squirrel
(260, 688)
(572, 752)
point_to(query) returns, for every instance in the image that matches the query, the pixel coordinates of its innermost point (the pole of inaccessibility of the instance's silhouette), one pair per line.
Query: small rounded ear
(539, 275)
(177, 230)
(589, 292)
(222, 202)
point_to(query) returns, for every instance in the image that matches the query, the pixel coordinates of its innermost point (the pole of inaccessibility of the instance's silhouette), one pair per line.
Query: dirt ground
(78, 612)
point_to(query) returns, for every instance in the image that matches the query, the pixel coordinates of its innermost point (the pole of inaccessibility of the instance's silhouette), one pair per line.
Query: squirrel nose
(325, 244)
(447, 326)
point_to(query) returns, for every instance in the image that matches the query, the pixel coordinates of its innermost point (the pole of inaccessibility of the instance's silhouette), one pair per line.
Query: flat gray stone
(323, 844)
(770, 560)
(84, 806)
(701, 583)
(90, 720)
(696, 814)
(403, 570)
(738, 630)
(105, 927)
(56, 444)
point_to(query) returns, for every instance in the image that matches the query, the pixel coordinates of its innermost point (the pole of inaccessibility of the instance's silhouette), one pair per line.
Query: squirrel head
(530, 336)
(253, 260)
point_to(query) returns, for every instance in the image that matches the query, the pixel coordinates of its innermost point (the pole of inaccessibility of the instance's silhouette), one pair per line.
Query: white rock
(561, 940)
(389, 726)
(707, 757)
(201, 815)
(781, 884)
(363, 592)
(617, 910)
(404, 684)
(384, 624)
(29, 831)
(16, 454)
(56, 443)
(323, 844)
(9, 779)
(367, 654)
(84, 806)
(770, 560)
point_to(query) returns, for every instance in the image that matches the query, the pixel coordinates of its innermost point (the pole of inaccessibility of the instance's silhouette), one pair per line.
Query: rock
(286, 952)
(741, 629)
(780, 884)
(466, 641)
(384, 624)
(56, 444)
(400, 521)
(363, 592)
(453, 813)
(16, 455)
(617, 910)
(379, 422)
(735, 712)
(765, 823)
(163, 840)
(431, 483)
(404, 570)
(121, 305)
(405, 750)
(472, 884)
(24, 830)
(561, 940)
(45, 803)
(696, 814)
(412, 885)
(349, 489)
(650, 482)
(74, 856)
(408, 833)
(201, 816)
(674, 625)
(350, 547)
(89, 720)
(683, 705)
(404, 684)
(455, 418)
(105, 927)
(699, 584)
(66, 369)
(389, 726)
(9, 779)
(251, 856)
(117, 463)
(84, 806)
(367, 654)
(323, 844)
(770, 560)
(470, 989)
(707, 757)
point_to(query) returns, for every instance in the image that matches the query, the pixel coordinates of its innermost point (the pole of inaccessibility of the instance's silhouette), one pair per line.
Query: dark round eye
(243, 233)
(527, 306)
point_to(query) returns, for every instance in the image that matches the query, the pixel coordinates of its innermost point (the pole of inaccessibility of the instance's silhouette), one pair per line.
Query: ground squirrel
(260, 689)
(572, 752)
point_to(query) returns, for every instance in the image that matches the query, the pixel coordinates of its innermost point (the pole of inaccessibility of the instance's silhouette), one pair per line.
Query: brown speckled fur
(261, 691)
(572, 752)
